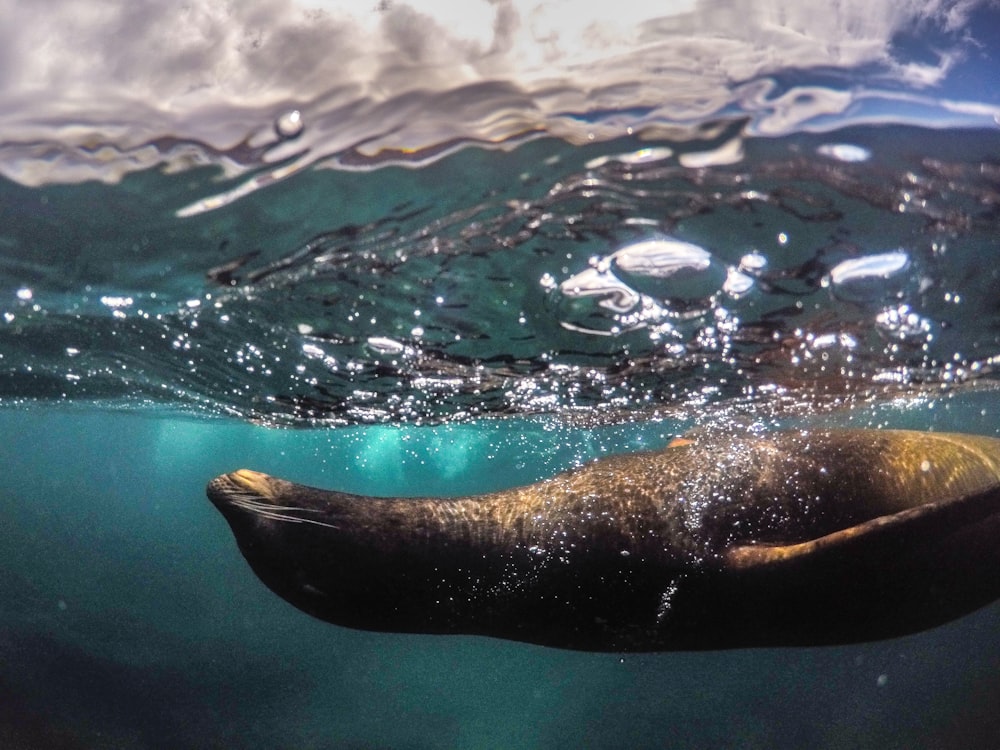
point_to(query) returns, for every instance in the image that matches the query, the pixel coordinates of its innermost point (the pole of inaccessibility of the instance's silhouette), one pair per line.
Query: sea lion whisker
(252, 501)
(284, 517)
(268, 511)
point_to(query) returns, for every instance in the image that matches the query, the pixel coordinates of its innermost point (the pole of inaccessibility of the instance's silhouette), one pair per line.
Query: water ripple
(549, 278)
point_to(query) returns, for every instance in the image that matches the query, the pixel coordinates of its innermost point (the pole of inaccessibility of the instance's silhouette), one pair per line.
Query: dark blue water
(451, 259)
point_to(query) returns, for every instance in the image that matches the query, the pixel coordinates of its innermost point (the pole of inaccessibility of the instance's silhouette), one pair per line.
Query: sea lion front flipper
(894, 574)
(749, 556)
(883, 536)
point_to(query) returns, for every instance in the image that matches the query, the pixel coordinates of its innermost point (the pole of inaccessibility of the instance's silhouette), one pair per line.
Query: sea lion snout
(240, 484)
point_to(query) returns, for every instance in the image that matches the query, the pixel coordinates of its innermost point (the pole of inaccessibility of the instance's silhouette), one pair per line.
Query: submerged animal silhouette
(789, 538)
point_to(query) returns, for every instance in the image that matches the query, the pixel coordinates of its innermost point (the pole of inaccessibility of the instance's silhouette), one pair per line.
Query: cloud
(126, 72)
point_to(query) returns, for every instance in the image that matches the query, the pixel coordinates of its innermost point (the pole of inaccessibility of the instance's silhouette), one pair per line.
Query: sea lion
(789, 538)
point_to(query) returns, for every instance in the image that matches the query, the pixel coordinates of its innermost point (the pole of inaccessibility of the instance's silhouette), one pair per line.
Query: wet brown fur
(788, 538)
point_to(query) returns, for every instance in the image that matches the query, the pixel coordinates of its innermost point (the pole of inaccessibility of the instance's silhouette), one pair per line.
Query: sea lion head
(320, 550)
(278, 525)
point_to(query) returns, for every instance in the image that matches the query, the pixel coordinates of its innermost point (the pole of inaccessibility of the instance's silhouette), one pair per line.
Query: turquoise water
(417, 251)
(131, 620)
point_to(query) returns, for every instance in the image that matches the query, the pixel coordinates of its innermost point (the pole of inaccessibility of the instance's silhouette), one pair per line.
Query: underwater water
(472, 248)
(131, 620)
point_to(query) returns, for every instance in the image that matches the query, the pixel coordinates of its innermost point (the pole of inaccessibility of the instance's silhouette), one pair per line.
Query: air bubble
(845, 152)
(669, 270)
(870, 277)
(384, 345)
(289, 125)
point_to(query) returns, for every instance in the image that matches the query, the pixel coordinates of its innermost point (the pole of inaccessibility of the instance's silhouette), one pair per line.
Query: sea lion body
(789, 538)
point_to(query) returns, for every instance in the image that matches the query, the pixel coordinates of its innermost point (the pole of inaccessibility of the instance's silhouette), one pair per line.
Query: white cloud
(129, 71)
